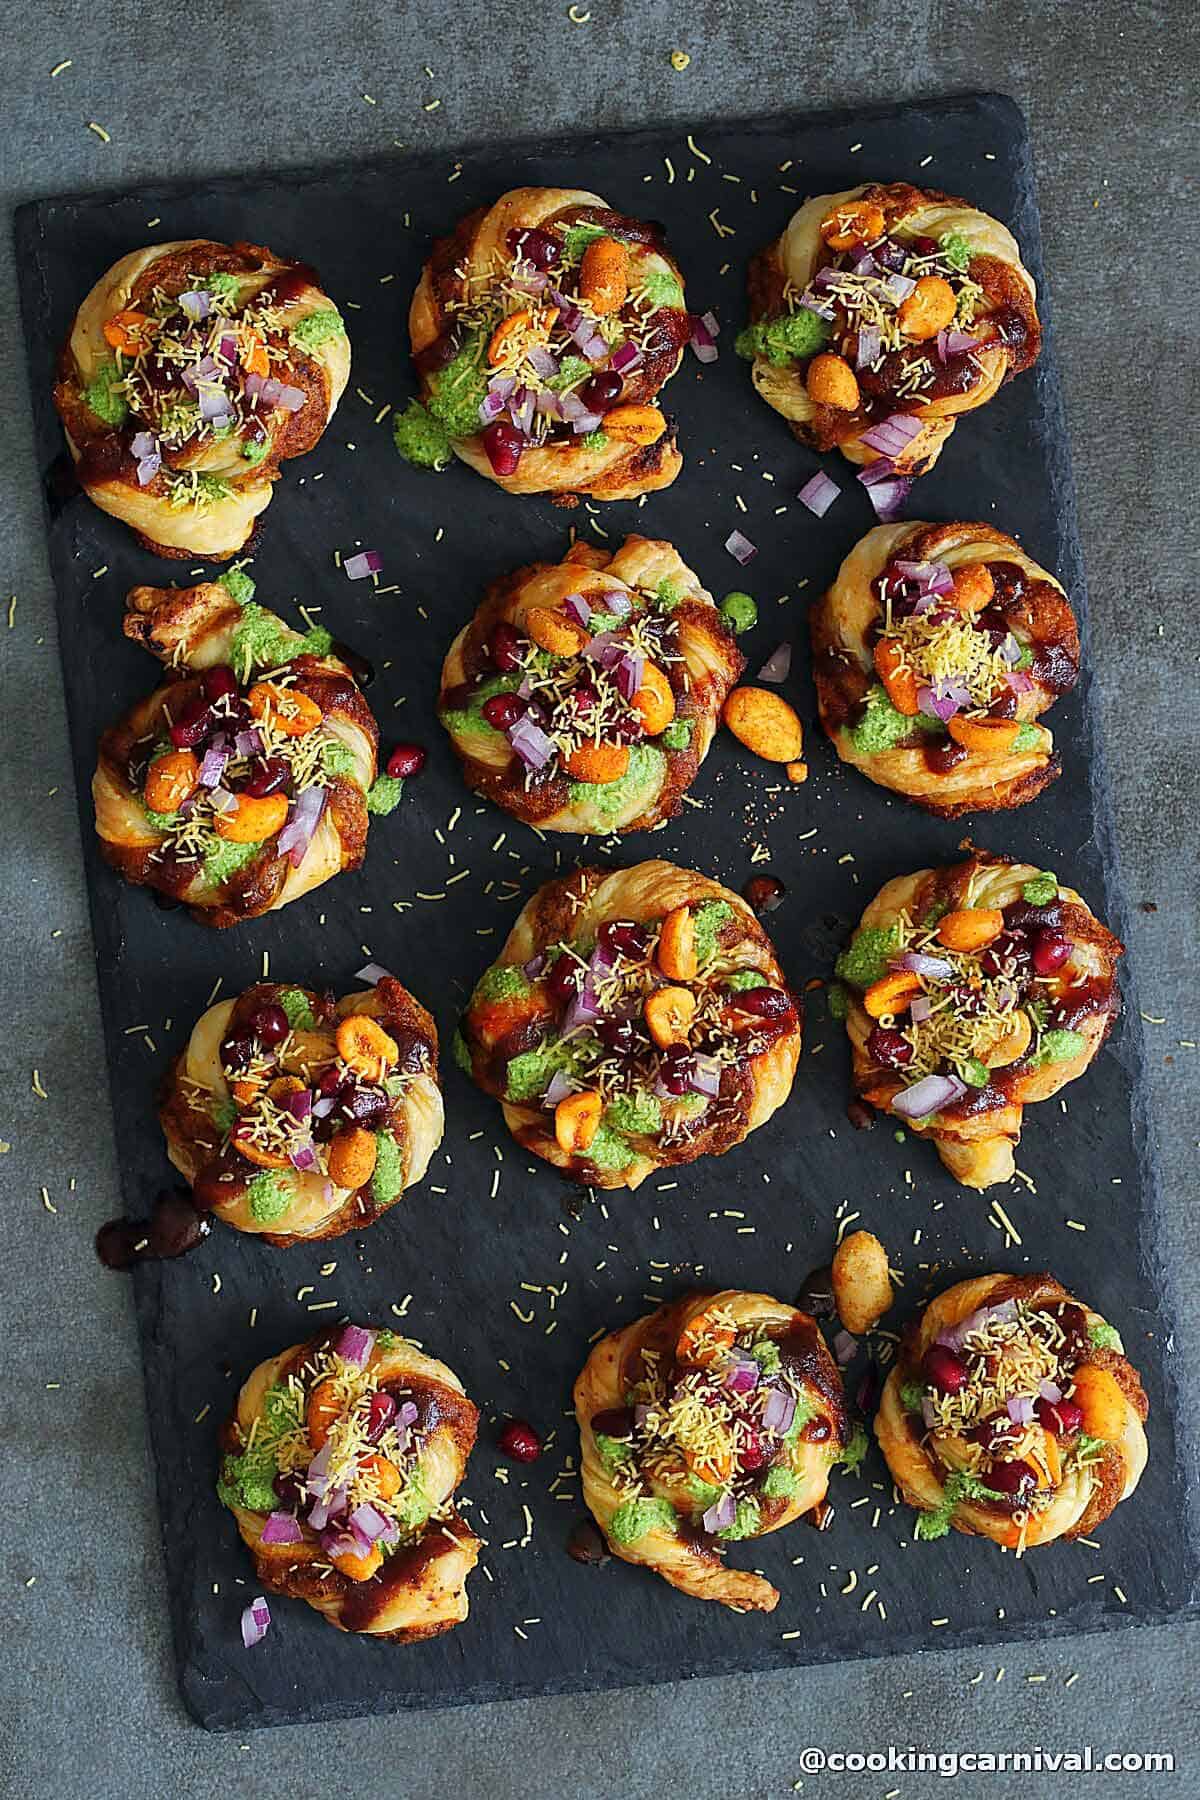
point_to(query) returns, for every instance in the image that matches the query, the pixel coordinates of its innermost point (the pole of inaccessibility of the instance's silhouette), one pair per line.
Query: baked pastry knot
(194, 369)
(300, 1117)
(542, 331)
(583, 695)
(636, 1019)
(971, 991)
(1012, 1413)
(935, 651)
(713, 1419)
(340, 1467)
(243, 781)
(879, 317)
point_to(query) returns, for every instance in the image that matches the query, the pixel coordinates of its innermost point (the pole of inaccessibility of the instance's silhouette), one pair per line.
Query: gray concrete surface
(87, 1700)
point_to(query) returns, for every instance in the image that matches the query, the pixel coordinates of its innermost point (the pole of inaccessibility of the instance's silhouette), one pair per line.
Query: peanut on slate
(862, 1286)
(765, 724)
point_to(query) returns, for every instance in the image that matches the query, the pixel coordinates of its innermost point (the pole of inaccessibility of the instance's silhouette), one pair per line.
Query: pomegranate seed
(619, 1035)
(504, 444)
(924, 246)
(218, 683)
(289, 1489)
(943, 1370)
(506, 646)
(763, 893)
(405, 760)
(193, 724)
(520, 1442)
(380, 1414)
(623, 938)
(1050, 951)
(331, 1081)
(562, 982)
(268, 775)
(503, 710)
(602, 390)
(1062, 1417)
(614, 1422)
(752, 1455)
(535, 247)
(269, 1025)
(891, 1048)
(676, 1070)
(583, 699)
(995, 1432)
(367, 1106)
(1010, 951)
(237, 1052)
(1009, 1477)
(762, 1002)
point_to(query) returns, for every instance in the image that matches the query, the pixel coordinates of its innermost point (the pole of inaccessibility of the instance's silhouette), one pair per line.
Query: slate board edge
(27, 226)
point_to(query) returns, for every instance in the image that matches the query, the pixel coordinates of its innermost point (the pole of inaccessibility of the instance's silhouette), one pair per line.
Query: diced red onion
(740, 547)
(317, 1478)
(958, 343)
(929, 1412)
(1020, 1409)
(521, 409)
(702, 342)
(372, 973)
(625, 357)
(819, 493)
(299, 1104)
(213, 767)
(407, 1415)
(899, 287)
(221, 800)
(256, 1620)
(366, 562)
(930, 577)
(324, 1106)
(583, 1010)
(282, 1528)
(533, 968)
(721, 1514)
(297, 834)
(845, 1348)
(828, 277)
(531, 743)
(532, 283)
(572, 407)
(303, 1157)
(592, 343)
(704, 1076)
(778, 665)
(542, 361)
(617, 603)
(917, 962)
(921, 1009)
(1020, 681)
(369, 1520)
(579, 609)
(208, 370)
(629, 672)
(490, 407)
(249, 742)
(711, 323)
(339, 1542)
(1050, 1390)
(870, 343)
(814, 304)
(147, 469)
(144, 444)
(588, 421)
(779, 1411)
(928, 1096)
(227, 350)
(548, 404)
(956, 1335)
(355, 1345)
(742, 1375)
(606, 649)
(887, 497)
(559, 1088)
(291, 399)
(892, 435)
(865, 265)
(196, 303)
(214, 403)
(328, 1508)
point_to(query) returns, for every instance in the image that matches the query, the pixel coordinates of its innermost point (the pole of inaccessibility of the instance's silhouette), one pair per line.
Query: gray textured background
(87, 1699)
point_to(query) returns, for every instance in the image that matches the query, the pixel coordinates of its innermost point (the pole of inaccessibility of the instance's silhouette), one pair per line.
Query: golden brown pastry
(713, 1419)
(301, 1117)
(970, 992)
(636, 1019)
(879, 317)
(583, 695)
(542, 331)
(193, 369)
(340, 1467)
(1012, 1413)
(935, 651)
(246, 780)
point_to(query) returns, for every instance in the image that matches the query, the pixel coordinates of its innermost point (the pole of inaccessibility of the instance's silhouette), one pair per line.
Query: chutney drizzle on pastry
(340, 1467)
(584, 695)
(1012, 1412)
(625, 1039)
(971, 991)
(542, 330)
(192, 371)
(714, 1419)
(935, 649)
(880, 314)
(245, 780)
(301, 1117)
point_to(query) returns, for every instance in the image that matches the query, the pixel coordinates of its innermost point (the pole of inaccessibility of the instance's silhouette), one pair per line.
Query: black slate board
(464, 1253)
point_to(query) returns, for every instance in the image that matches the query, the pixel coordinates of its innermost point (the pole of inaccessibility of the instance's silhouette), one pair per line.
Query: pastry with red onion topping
(583, 696)
(935, 652)
(542, 331)
(635, 1020)
(300, 1117)
(193, 370)
(714, 1419)
(247, 779)
(1012, 1413)
(340, 1466)
(970, 992)
(879, 317)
